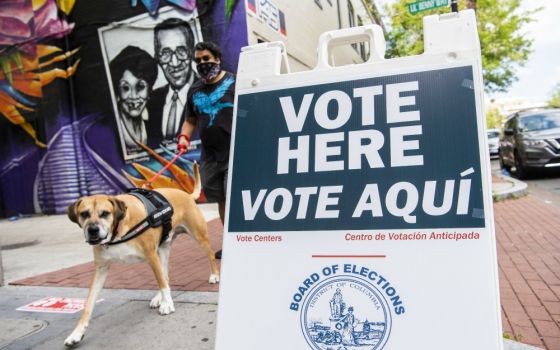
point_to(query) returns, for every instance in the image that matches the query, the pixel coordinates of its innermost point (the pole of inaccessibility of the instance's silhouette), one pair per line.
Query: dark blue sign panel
(394, 152)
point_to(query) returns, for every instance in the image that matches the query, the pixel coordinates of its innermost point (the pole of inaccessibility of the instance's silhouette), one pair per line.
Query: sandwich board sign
(359, 205)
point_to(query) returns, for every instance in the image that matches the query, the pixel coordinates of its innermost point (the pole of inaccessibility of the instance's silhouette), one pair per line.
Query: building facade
(300, 23)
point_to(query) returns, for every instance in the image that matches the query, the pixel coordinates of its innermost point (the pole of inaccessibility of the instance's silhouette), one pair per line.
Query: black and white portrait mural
(149, 64)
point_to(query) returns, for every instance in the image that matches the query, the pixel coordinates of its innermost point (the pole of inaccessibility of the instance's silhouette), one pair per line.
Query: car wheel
(520, 170)
(502, 164)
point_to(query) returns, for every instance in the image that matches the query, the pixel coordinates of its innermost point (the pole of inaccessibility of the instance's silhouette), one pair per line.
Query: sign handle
(370, 33)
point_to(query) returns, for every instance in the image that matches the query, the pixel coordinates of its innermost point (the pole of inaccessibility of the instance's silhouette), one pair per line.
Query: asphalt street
(544, 185)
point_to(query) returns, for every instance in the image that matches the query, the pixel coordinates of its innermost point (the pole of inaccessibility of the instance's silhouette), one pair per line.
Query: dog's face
(97, 215)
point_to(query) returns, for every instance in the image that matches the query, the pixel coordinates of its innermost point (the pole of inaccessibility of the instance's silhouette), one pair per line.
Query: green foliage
(517, 337)
(494, 118)
(554, 101)
(500, 23)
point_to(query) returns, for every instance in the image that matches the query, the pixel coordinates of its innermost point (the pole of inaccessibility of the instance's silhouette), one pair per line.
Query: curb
(518, 189)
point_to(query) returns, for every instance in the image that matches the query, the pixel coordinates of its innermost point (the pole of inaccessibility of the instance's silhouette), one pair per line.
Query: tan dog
(98, 215)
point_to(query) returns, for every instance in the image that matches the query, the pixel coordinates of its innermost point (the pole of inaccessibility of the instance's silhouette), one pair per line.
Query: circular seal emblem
(345, 312)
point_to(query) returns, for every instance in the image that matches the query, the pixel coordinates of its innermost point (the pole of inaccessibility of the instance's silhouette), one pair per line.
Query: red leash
(149, 183)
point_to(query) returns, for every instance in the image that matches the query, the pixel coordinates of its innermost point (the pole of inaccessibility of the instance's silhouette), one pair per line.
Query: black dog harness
(160, 213)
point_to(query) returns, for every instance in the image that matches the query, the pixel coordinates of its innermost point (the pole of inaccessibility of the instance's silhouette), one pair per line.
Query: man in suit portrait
(174, 49)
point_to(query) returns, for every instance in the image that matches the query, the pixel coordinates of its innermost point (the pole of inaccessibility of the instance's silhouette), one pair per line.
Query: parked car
(493, 142)
(530, 140)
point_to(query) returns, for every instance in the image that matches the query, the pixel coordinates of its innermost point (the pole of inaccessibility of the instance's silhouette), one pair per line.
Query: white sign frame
(262, 271)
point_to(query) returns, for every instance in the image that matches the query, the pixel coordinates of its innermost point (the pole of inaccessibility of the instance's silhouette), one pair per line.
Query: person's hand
(183, 142)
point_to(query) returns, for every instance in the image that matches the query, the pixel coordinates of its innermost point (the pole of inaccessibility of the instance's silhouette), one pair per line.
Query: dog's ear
(120, 208)
(71, 211)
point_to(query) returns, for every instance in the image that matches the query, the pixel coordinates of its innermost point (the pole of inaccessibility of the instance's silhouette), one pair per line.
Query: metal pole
(454, 6)
(1, 269)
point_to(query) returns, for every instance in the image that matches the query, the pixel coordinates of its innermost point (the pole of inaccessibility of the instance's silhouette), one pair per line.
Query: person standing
(173, 47)
(210, 110)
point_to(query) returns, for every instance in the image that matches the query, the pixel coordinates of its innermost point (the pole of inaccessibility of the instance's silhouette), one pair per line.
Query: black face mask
(208, 70)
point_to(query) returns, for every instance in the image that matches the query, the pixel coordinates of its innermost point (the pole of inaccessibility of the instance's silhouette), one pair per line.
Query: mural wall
(92, 94)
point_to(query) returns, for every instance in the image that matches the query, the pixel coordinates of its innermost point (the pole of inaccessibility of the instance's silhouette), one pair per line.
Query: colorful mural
(24, 24)
(92, 92)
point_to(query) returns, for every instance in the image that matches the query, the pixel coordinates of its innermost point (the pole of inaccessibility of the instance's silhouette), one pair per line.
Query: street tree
(500, 27)
(494, 118)
(554, 101)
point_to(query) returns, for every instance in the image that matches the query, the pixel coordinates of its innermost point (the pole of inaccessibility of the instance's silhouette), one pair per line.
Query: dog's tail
(197, 186)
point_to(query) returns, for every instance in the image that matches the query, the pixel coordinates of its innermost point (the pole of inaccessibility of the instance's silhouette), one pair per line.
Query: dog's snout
(93, 230)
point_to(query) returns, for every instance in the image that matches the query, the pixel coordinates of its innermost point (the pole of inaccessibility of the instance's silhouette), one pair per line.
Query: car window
(540, 121)
(493, 134)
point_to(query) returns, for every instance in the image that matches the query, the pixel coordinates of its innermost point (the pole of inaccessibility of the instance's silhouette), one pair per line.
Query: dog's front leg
(98, 280)
(166, 306)
(163, 253)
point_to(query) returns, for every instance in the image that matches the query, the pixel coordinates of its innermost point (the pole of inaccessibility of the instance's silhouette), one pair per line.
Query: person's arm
(187, 129)
(184, 138)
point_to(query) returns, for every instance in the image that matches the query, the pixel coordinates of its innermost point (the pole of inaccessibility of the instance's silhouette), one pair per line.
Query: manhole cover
(14, 329)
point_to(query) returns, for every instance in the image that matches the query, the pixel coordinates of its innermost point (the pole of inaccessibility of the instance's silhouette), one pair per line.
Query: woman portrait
(133, 74)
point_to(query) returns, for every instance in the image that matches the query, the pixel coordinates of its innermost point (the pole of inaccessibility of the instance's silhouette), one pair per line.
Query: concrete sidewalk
(528, 254)
(122, 320)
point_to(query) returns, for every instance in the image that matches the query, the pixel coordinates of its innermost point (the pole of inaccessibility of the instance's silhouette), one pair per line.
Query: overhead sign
(359, 205)
(57, 305)
(424, 5)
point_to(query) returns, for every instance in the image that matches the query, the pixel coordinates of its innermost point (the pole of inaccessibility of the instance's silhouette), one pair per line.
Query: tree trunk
(470, 4)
